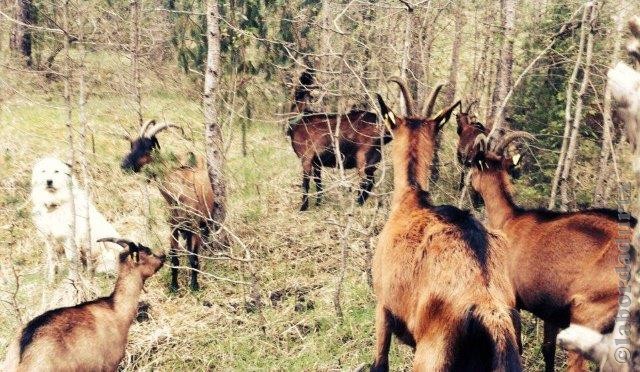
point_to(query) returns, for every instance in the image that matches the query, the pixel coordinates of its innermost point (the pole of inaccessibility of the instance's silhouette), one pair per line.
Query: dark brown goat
(187, 190)
(91, 336)
(360, 141)
(438, 274)
(562, 264)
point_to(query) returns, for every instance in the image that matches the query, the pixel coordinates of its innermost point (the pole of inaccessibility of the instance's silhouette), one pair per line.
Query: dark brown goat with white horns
(187, 190)
(91, 336)
(438, 274)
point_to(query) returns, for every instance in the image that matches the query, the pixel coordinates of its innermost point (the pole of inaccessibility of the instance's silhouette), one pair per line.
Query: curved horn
(121, 242)
(473, 103)
(406, 93)
(153, 131)
(510, 137)
(427, 111)
(146, 126)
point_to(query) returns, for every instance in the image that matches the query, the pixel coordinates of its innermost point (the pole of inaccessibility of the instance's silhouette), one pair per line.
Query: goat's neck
(126, 294)
(495, 188)
(412, 157)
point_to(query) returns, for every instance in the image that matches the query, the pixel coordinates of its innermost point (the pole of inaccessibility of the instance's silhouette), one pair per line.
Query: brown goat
(562, 264)
(91, 336)
(437, 272)
(360, 141)
(187, 190)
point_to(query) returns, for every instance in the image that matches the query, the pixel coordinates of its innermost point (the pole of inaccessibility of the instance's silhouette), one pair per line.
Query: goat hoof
(304, 208)
(195, 287)
(173, 288)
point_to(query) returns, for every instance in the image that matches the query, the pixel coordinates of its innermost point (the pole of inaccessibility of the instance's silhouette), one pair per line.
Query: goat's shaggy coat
(360, 141)
(90, 336)
(52, 216)
(438, 274)
(562, 264)
(187, 190)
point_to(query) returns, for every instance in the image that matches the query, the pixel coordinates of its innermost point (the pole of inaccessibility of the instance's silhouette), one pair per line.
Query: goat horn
(122, 242)
(146, 126)
(510, 137)
(473, 103)
(406, 93)
(431, 101)
(153, 131)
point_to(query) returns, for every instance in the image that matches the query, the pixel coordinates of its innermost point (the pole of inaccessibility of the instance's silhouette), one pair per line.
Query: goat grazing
(187, 190)
(360, 142)
(562, 264)
(90, 336)
(437, 272)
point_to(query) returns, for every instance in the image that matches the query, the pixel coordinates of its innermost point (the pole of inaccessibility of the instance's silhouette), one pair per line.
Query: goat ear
(443, 116)
(516, 159)
(387, 115)
(134, 251)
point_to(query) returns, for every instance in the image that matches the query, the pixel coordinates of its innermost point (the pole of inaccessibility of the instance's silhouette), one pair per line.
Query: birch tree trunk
(135, 58)
(458, 14)
(577, 115)
(601, 182)
(213, 133)
(567, 111)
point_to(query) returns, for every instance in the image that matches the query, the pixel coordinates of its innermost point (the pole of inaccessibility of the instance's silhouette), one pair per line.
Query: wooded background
(77, 74)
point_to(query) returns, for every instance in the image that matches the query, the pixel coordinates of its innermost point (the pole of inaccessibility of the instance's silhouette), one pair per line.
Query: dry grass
(296, 256)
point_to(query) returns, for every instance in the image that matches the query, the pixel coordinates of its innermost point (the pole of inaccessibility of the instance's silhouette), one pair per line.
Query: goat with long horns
(562, 264)
(438, 274)
(187, 190)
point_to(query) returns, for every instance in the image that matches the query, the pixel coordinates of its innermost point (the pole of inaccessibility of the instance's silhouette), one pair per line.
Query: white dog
(52, 216)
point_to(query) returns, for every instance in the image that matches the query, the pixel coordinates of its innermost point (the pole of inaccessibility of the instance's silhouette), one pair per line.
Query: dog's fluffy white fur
(52, 216)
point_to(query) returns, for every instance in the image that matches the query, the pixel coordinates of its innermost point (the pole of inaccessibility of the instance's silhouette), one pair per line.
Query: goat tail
(501, 324)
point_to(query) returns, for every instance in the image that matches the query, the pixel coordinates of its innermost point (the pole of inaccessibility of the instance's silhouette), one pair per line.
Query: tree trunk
(577, 115)
(599, 198)
(503, 84)
(455, 55)
(213, 133)
(567, 112)
(21, 37)
(135, 59)
(406, 50)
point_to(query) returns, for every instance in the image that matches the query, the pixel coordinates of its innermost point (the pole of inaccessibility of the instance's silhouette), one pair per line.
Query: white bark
(213, 133)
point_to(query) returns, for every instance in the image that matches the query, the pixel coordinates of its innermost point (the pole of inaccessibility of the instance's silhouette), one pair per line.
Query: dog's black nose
(49, 183)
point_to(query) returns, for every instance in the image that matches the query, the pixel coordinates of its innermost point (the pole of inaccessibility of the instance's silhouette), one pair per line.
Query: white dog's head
(50, 181)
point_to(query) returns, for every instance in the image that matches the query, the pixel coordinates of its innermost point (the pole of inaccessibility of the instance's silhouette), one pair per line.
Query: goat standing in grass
(438, 274)
(562, 264)
(91, 336)
(187, 190)
(360, 141)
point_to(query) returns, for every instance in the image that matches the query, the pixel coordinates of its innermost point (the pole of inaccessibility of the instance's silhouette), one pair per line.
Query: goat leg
(317, 178)
(383, 340)
(305, 191)
(175, 262)
(549, 346)
(366, 185)
(194, 262)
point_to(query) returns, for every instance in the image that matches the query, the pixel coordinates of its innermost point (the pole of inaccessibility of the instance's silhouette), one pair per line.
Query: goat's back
(78, 338)
(560, 260)
(188, 190)
(314, 132)
(432, 266)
